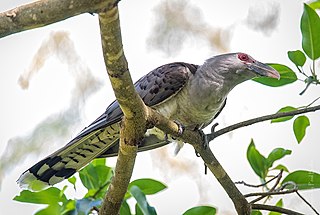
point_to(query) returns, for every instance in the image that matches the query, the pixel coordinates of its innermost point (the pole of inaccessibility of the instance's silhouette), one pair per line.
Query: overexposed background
(70, 89)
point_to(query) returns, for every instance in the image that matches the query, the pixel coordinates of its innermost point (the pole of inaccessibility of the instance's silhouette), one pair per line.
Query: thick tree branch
(41, 13)
(133, 125)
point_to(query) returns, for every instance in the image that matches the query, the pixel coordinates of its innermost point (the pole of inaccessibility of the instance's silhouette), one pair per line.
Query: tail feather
(79, 152)
(66, 161)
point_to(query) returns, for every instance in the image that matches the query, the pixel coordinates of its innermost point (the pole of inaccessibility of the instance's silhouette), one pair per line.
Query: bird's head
(239, 67)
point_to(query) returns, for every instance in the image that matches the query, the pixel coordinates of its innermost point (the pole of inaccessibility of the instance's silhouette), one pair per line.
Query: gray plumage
(190, 94)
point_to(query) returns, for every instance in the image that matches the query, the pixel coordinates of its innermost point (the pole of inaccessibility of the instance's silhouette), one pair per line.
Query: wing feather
(154, 88)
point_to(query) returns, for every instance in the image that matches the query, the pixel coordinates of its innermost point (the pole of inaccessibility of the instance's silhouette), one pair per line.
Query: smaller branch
(302, 72)
(272, 193)
(261, 119)
(303, 199)
(312, 102)
(275, 209)
(279, 176)
(260, 185)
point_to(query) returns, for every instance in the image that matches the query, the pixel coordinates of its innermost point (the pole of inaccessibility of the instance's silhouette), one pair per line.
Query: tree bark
(133, 126)
(41, 13)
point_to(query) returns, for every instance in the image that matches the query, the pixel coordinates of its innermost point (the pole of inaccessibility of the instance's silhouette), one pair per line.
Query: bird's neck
(211, 85)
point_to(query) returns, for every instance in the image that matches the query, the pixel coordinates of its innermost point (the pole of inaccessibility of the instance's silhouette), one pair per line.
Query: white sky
(50, 92)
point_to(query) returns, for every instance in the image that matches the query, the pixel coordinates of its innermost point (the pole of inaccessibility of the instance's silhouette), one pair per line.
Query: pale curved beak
(264, 70)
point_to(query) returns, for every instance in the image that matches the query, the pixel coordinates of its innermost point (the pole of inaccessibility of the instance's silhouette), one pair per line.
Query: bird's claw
(180, 132)
(204, 137)
(212, 135)
(213, 128)
(180, 127)
(197, 154)
(207, 138)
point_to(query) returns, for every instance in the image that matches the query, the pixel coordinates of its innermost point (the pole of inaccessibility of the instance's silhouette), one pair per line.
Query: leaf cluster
(96, 178)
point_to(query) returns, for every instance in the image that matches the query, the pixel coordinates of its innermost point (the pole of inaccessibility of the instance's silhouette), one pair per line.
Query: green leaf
(99, 162)
(125, 209)
(282, 110)
(278, 204)
(304, 179)
(51, 209)
(73, 180)
(297, 57)
(147, 186)
(89, 177)
(137, 210)
(49, 196)
(287, 76)
(281, 167)
(257, 161)
(142, 201)
(95, 176)
(300, 125)
(315, 5)
(255, 212)
(277, 154)
(310, 29)
(203, 210)
(68, 207)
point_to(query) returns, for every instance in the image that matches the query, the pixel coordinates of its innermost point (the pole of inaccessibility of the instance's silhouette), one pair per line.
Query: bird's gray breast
(189, 111)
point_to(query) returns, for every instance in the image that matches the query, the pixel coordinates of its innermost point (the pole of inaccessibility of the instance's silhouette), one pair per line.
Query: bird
(190, 94)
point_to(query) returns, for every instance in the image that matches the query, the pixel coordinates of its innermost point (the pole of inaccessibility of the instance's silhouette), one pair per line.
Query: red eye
(243, 57)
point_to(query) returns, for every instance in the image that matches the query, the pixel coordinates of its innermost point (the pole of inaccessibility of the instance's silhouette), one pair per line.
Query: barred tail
(66, 161)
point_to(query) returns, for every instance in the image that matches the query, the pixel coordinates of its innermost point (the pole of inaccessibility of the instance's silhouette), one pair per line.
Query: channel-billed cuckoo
(192, 95)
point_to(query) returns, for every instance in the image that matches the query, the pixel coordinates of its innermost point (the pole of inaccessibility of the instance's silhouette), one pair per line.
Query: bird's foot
(207, 138)
(212, 135)
(180, 132)
(180, 127)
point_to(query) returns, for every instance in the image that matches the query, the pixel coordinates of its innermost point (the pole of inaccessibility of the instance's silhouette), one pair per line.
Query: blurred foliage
(57, 126)
(263, 16)
(179, 20)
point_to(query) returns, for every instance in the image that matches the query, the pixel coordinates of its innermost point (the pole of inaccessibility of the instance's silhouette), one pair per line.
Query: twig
(275, 209)
(312, 102)
(272, 188)
(261, 119)
(303, 199)
(272, 193)
(259, 185)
